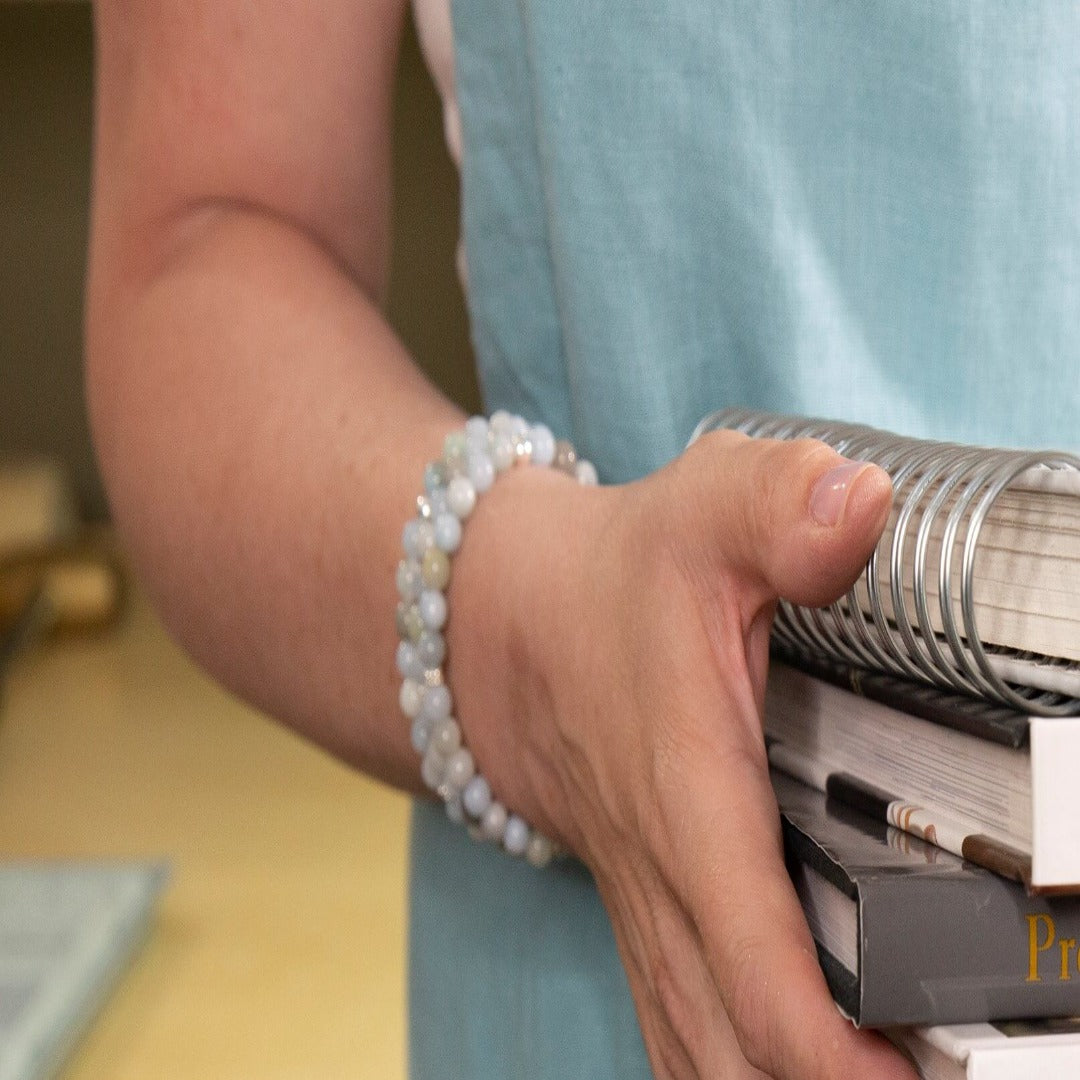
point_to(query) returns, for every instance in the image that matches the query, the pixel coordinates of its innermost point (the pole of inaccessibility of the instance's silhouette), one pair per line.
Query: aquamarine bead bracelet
(471, 461)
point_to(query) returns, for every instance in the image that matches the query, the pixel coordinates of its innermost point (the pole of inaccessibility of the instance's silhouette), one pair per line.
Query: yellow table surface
(278, 949)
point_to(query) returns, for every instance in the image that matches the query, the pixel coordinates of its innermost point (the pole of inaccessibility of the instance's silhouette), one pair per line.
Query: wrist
(471, 712)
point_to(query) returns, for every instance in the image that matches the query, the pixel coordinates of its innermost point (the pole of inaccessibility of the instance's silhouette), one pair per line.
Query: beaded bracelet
(471, 461)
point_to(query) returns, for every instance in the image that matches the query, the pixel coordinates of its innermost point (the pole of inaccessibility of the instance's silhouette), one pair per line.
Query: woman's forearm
(263, 434)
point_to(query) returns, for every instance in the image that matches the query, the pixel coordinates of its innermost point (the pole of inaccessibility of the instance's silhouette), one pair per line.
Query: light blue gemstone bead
(447, 533)
(432, 608)
(543, 444)
(431, 649)
(476, 430)
(408, 661)
(436, 704)
(516, 835)
(434, 477)
(409, 538)
(481, 471)
(420, 733)
(476, 796)
(417, 536)
(439, 504)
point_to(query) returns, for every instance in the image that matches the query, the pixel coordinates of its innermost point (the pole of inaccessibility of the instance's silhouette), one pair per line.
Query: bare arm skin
(263, 435)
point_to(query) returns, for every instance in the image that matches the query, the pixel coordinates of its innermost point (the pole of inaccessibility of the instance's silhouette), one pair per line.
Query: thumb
(794, 515)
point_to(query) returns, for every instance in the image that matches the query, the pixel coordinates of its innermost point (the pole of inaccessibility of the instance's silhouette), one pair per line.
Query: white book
(1012, 808)
(1048, 1049)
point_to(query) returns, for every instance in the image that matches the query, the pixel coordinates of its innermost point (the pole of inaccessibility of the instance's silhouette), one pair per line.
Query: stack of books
(924, 738)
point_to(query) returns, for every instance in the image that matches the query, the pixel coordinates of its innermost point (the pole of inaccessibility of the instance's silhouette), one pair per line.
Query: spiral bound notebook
(975, 585)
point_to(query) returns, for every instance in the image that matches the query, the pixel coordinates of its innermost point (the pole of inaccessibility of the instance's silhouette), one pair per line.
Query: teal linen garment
(862, 210)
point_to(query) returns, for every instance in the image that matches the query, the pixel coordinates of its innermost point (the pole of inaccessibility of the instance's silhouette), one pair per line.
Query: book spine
(966, 951)
(942, 946)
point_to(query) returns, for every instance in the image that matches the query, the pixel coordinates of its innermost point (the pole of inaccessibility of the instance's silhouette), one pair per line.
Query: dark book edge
(843, 984)
(972, 716)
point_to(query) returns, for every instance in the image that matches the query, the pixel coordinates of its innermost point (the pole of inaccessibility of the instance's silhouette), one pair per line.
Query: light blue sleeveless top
(869, 211)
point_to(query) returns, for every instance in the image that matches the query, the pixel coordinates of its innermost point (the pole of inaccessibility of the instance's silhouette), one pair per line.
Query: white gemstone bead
(460, 768)
(494, 821)
(543, 444)
(461, 496)
(412, 693)
(432, 608)
(539, 850)
(585, 472)
(502, 451)
(454, 810)
(481, 471)
(501, 422)
(432, 768)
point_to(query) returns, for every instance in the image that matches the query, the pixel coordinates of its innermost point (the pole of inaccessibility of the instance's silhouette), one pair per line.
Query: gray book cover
(67, 931)
(908, 933)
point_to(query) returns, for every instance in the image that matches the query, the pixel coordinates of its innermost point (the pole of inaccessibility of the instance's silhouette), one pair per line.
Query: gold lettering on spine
(1066, 945)
(1034, 948)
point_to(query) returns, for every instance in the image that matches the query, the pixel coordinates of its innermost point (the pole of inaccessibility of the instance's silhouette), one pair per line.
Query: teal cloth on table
(867, 211)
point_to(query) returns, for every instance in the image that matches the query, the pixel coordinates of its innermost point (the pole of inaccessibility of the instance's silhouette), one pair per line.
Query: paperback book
(1004, 797)
(908, 933)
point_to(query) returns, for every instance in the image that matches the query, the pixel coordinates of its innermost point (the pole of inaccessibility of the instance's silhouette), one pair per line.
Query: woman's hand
(609, 650)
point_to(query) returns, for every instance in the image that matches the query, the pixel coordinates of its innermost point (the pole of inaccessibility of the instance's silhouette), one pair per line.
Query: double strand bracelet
(471, 461)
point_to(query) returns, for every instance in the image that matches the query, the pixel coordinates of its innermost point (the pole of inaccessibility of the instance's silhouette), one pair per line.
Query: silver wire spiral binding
(935, 484)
